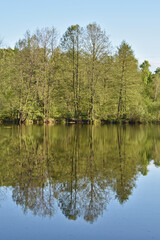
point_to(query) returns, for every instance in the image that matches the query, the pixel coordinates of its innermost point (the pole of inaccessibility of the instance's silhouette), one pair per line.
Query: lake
(80, 182)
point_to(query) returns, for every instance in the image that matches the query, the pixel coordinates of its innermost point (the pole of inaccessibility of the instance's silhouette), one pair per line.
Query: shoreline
(79, 122)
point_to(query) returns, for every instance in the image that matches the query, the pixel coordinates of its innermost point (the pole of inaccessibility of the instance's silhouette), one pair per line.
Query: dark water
(79, 182)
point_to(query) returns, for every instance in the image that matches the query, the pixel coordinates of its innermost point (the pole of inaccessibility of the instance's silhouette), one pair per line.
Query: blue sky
(136, 21)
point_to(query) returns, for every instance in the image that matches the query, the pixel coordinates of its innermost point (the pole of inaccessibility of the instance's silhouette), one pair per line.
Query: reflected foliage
(77, 168)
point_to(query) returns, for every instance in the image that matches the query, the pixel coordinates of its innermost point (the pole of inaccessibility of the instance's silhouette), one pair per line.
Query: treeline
(76, 79)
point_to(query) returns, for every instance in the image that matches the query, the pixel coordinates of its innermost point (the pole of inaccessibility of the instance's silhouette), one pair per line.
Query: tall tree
(146, 74)
(127, 83)
(71, 42)
(96, 47)
(46, 40)
(7, 90)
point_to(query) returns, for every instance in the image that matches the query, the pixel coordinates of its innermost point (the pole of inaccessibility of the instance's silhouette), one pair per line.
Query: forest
(76, 77)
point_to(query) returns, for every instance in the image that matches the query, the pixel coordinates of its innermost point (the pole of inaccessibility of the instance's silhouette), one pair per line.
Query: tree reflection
(37, 199)
(79, 167)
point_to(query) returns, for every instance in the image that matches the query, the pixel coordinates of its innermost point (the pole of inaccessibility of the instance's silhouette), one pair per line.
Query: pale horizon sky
(135, 21)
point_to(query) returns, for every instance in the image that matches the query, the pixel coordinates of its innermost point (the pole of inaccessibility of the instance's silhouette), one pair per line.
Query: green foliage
(146, 74)
(79, 79)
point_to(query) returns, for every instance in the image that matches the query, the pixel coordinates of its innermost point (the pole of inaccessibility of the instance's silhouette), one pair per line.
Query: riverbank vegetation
(76, 79)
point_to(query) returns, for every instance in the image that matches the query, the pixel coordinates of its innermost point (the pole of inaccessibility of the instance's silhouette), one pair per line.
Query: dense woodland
(77, 78)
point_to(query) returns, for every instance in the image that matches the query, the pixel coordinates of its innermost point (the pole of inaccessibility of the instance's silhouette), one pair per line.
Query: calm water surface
(79, 182)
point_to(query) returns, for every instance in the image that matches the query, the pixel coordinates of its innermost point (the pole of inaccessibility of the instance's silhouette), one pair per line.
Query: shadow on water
(80, 167)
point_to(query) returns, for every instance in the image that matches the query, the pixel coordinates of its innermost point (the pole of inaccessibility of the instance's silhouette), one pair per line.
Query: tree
(156, 82)
(149, 92)
(7, 90)
(146, 74)
(127, 86)
(46, 41)
(96, 48)
(71, 42)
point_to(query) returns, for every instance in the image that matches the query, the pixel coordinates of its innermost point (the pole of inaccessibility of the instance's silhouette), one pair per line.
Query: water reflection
(80, 167)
